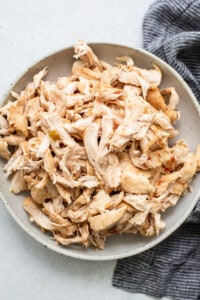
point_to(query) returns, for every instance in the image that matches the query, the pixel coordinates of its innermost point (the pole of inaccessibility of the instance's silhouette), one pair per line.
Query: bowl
(117, 246)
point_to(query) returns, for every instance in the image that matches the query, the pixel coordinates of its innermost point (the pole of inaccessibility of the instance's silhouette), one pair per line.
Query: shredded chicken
(94, 150)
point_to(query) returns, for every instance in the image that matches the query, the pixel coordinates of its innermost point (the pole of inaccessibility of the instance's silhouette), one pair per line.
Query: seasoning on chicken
(94, 150)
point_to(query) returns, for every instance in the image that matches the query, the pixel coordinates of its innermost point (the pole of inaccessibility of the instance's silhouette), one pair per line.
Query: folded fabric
(171, 31)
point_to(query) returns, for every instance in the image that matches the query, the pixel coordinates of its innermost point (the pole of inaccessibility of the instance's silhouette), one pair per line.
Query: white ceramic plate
(59, 64)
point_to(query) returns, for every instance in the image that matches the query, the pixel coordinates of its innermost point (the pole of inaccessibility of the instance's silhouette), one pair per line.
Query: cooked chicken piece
(31, 179)
(134, 182)
(155, 98)
(32, 109)
(180, 152)
(79, 126)
(49, 163)
(108, 167)
(17, 119)
(128, 166)
(172, 199)
(54, 122)
(164, 122)
(24, 146)
(40, 191)
(72, 157)
(79, 239)
(85, 86)
(4, 152)
(85, 53)
(66, 230)
(158, 158)
(90, 142)
(59, 204)
(30, 165)
(4, 110)
(174, 98)
(134, 79)
(138, 202)
(44, 145)
(78, 99)
(36, 214)
(63, 82)
(159, 224)
(89, 169)
(70, 88)
(30, 148)
(127, 59)
(55, 96)
(100, 203)
(106, 220)
(189, 169)
(153, 225)
(98, 239)
(105, 65)
(88, 181)
(144, 123)
(132, 91)
(18, 183)
(29, 159)
(109, 95)
(65, 193)
(13, 140)
(116, 200)
(164, 182)
(15, 95)
(39, 76)
(178, 188)
(66, 174)
(139, 218)
(154, 139)
(100, 110)
(65, 178)
(153, 76)
(77, 216)
(83, 199)
(58, 178)
(138, 158)
(164, 201)
(129, 126)
(28, 92)
(123, 225)
(46, 106)
(4, 126)
(106, 162)
(110, 76)
(54, 217)
(15, 162)
(79, 69)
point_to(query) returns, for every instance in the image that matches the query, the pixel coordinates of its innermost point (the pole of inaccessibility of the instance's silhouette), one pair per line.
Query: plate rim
(88, 257)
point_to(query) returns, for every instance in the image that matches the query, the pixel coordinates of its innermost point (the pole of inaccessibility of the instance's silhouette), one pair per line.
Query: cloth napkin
(171, 30)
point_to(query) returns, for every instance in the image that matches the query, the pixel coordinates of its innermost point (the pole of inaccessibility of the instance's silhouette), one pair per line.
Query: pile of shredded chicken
(93, 150)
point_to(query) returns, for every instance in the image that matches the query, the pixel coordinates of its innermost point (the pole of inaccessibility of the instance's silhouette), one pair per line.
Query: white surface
(28, 30)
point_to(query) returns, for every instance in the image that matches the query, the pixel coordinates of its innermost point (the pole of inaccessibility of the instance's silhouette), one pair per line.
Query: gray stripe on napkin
(171, 31)
(170, 269)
